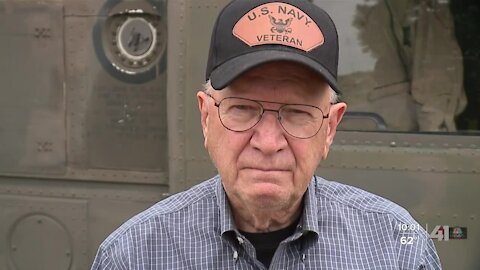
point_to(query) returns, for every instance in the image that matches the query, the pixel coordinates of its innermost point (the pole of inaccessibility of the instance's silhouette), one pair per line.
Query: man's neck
(266, 220)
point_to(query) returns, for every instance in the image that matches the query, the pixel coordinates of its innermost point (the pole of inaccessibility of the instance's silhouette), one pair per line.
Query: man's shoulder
(187, 203)
(380, 224)
(359, 200)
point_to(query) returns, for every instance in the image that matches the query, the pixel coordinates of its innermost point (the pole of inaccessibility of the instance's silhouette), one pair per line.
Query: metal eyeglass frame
(217, 104)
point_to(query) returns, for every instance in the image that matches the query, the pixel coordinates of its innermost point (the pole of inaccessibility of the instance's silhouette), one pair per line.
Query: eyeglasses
(241, 114)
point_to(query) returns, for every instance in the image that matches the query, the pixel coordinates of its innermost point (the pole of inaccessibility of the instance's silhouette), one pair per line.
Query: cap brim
(224, 74)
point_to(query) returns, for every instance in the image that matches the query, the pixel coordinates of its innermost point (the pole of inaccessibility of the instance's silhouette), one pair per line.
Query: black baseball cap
(248, 33)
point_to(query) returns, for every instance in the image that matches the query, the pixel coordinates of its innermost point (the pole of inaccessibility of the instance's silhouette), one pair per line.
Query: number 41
(440, 233)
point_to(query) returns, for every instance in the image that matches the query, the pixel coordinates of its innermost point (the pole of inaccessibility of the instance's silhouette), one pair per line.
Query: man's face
(265, 167)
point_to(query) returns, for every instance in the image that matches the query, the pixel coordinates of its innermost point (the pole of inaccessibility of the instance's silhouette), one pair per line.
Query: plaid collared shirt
(342, 227)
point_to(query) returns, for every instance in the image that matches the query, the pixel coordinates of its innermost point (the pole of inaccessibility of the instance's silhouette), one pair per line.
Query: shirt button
(240, 240)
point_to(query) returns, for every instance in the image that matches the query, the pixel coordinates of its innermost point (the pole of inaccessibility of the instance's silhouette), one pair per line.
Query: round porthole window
(136, 44)
(135, 39)
(130, 43)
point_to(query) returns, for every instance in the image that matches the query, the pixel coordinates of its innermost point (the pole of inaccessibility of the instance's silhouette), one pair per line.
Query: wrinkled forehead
(300, 79)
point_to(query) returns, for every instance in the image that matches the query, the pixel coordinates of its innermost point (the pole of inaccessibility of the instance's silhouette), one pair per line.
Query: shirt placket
(245, 255)
(282, 252)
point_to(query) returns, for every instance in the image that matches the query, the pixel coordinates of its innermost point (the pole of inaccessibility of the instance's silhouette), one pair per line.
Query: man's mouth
(266, 169)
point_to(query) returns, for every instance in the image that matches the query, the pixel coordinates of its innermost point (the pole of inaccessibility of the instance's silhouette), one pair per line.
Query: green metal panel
(189, 40)
(32, 111)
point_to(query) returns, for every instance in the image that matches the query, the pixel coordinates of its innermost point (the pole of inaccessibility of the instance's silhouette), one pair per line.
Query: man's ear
(203, 107)
(336, 113)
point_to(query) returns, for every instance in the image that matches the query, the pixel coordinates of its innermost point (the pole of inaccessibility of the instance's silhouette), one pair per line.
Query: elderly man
(269, 115)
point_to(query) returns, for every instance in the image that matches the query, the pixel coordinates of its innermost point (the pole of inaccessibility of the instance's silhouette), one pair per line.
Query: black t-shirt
(266, 243)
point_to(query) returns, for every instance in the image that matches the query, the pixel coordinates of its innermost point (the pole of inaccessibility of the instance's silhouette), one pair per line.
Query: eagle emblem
(279, 25)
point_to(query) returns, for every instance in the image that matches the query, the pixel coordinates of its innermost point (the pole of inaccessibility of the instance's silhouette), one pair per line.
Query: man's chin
(265, 180)
(266, 195)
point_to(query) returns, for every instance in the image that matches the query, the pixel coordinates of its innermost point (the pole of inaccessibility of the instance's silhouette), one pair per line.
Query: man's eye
(297, 112)
(243, 108)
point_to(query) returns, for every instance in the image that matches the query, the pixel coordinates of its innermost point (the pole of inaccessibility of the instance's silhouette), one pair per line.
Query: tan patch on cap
(279, 23)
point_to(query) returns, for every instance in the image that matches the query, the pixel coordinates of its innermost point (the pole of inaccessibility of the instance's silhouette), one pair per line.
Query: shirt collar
(308, 221)
(226, 218)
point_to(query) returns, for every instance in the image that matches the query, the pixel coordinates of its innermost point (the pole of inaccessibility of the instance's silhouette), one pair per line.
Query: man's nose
(268, 135)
